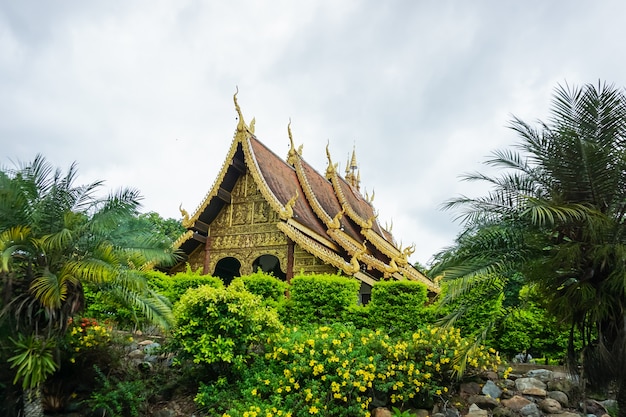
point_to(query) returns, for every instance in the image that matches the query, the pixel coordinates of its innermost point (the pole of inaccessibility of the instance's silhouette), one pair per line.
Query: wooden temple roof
(325, 214)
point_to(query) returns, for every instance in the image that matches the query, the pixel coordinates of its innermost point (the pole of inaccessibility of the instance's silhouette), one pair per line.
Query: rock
(560, 396)
(381, 412)
(151, 348)
(531, 386)
(544, 375)
(560, 384)
(469, 388)
(503, 412)
(609, 404)
(516, 402)
(491, 389)
(564, 414)
(145, 342)
(550, 406)
(136, 354)
(483, 401)
(166, 412)
(476, 411)
(530, 410)
(420, 412)
(490, 375)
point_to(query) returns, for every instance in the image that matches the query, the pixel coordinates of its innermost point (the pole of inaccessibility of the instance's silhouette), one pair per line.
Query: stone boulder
(550, 406)
(531, 386)
(516, 402)
(491, 389)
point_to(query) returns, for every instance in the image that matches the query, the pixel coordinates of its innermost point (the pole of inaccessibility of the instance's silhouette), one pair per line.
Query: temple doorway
(270, 265)
(227, 269)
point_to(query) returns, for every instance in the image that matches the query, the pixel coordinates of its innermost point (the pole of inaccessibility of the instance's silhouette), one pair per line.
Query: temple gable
(283, 217)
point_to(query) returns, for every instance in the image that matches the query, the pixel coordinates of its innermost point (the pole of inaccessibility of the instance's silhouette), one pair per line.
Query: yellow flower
(313, 410)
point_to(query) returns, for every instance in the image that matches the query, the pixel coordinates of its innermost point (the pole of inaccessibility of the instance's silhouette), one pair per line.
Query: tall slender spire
(353, 175)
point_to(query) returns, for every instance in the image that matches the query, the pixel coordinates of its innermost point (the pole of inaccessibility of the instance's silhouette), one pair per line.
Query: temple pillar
(290, 251)
(207, 255)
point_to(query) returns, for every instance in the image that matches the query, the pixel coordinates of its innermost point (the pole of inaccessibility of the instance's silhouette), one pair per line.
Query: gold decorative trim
(314, 248)
(182, 239)
(414, 275)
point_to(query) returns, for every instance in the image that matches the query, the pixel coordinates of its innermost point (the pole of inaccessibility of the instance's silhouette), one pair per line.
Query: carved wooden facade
(266, 212)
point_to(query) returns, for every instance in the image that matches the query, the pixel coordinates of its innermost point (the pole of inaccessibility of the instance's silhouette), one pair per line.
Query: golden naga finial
(390, 269)
(287, 212)
(293, 154)
(332, 168)
(186, 221)
(241, 125)
(355, 266)
(335, 222)
(251, 127)
(370, 222)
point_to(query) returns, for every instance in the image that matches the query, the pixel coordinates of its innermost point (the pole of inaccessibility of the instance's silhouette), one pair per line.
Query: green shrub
(268, 287)
(320, 299)
(118, 398)
(174, 286)
(219, 326)
(398, 306)
(340, 371)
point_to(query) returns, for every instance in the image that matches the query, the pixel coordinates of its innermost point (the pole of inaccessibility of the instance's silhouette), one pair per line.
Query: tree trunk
(33, 406)
(621, 395)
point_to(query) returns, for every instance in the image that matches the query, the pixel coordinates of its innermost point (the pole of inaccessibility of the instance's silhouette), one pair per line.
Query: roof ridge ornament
(293, 154)
(287, 212)
(331, 169)
(241, 125)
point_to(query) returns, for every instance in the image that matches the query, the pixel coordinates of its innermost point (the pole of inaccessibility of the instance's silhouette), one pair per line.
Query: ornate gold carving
(186, 221)
(252, 127)
(287, 212)
(241, 125)
(241, 213)
(335, 223)
(182, 239)
(261, 212)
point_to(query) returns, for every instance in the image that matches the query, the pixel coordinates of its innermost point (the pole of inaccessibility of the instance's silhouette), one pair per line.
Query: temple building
(284, 217)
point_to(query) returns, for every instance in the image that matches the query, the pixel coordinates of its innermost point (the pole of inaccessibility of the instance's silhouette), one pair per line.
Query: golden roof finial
(353, 164)
(332, 168)
(186, 223)
(241, 125)
(293, 154)
(287, 212)
(353, 176)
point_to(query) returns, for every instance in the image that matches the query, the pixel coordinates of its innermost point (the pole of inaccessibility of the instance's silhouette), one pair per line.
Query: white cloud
(140, 93)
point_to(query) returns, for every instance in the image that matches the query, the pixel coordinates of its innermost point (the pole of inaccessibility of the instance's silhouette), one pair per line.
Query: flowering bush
(340, 371)
(86, 334)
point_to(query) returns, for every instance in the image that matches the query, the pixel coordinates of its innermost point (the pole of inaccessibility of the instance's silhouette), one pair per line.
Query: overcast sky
(139, 93)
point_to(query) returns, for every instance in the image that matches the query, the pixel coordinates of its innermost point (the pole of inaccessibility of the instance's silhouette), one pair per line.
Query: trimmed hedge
(318, 299)
(398, 306)
(270, 288)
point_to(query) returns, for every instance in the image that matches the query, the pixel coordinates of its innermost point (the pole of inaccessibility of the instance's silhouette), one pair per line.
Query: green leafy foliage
(33, 360)
(118, 398)
(270, 289)
(476, 307)
(174, 286)
(219, 326)
(398, 306)
(319, 299)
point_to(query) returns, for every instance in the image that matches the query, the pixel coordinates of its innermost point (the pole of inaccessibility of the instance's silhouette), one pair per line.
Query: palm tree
(557, 213)
(54, 238)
